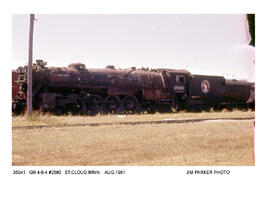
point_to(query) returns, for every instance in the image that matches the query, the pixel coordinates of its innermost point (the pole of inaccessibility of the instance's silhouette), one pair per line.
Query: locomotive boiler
(80, 90)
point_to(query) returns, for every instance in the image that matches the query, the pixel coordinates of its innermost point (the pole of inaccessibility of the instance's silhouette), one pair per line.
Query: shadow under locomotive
(78, 90)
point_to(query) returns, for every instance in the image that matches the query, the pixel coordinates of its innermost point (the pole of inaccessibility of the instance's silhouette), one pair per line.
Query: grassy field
(39, 119)
(204, 143)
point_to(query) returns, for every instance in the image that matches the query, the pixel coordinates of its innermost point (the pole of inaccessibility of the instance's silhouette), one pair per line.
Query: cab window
(180, 79)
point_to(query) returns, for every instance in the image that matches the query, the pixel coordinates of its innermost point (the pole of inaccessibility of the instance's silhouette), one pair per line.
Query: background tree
(251, 24)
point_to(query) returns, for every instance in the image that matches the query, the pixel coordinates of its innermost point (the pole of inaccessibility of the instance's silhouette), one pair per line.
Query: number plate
(178, 88)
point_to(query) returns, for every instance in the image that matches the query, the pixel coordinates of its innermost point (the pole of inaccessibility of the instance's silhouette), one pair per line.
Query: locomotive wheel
(58, 111)
(177, 107)
(113, 104)
(206, 108)
(73, 108)
(151, 108)
(230, 108)
(165, 108)
(95, 104)
(217, 108)
(83, 108)
(130, 104)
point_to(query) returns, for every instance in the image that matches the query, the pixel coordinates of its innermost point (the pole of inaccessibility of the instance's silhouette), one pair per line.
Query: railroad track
(132, 123)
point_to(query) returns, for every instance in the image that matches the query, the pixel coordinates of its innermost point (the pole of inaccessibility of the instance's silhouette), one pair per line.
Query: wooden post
(29, 73)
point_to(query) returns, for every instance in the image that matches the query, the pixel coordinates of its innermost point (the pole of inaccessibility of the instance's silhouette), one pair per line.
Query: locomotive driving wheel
(130, 104)
(95, 104)
(58, 111)
(113, 104)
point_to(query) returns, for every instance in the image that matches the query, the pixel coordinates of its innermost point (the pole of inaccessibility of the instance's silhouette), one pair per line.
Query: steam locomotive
(78, 90)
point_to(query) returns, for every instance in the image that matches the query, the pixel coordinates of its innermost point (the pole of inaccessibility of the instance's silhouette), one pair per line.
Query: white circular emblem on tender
(205, 86)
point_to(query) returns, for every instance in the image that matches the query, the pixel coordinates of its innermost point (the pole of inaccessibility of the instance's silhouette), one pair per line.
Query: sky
(202, 44)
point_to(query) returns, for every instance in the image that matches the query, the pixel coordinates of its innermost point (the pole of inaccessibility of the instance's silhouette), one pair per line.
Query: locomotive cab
(178, 80)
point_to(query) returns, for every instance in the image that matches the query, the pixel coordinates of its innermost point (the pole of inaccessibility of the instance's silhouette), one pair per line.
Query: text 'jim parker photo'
(133, 89)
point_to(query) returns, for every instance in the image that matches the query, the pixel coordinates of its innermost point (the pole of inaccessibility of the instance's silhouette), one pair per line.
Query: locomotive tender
(79, 90)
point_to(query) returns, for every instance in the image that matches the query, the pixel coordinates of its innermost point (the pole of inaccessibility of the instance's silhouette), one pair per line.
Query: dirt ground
(198, 144)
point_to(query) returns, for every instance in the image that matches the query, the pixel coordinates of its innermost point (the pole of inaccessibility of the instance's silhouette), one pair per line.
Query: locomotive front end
(19, 101)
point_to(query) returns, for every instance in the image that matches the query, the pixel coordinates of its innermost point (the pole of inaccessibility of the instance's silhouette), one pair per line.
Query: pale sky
(202, 44)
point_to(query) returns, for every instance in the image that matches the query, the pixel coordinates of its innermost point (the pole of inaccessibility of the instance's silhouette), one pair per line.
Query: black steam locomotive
(78, 90)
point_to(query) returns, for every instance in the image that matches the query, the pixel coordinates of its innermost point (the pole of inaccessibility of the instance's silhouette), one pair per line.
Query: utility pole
(29, 73)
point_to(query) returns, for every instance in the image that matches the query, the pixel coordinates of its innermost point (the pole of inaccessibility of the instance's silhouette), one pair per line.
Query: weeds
(39, 118)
